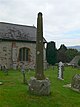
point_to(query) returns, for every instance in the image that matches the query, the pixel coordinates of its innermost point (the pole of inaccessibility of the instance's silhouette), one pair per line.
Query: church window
(24, 54)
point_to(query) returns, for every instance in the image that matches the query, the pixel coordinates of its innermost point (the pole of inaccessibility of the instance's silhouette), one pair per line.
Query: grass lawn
(13, 93)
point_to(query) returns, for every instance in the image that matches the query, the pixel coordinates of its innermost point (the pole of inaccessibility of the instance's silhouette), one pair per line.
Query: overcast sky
(61, 18)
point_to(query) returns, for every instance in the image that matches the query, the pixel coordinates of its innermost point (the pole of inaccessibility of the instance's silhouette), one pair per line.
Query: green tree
(61, 56)
(51, 53)
(62, 48)
(70, 54)
(61, 53)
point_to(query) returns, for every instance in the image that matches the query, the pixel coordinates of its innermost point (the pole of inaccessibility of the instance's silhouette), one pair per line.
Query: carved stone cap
(39, 14)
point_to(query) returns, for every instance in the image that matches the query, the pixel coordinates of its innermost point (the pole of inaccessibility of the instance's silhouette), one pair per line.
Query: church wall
(8, 57)
(6, 53)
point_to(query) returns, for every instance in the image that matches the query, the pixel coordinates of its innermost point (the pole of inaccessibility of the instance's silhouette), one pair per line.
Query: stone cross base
(60, 78)
(39, 87)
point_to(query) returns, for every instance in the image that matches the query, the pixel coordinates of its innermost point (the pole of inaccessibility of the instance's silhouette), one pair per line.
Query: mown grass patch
(13, 93)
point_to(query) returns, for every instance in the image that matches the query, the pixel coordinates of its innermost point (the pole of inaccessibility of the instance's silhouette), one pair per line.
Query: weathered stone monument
(39, 48)
(39, 85)
(5, 69)
(23, 73)
(75, 84)
(60, 70)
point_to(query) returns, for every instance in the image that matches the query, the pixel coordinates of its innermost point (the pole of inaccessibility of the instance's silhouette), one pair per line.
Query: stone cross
(39, 48)
(39, 85)
(60, 70)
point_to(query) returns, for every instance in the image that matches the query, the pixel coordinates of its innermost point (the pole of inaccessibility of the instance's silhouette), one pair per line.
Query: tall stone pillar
(39, 85)
(39, 48)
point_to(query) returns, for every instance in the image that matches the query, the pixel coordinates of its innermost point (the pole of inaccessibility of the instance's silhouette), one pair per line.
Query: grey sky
(61, 17)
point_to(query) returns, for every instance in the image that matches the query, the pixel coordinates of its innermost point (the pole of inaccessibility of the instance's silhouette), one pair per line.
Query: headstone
(60, 70)
(39, 85)
(23, 73)
(5, 69)
(75, 84)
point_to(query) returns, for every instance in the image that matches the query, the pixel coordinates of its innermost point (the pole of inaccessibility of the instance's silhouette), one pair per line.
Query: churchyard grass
(14, 93)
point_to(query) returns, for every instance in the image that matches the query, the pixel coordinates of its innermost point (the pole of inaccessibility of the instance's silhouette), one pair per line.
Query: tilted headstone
(75, 84)
(60, 70)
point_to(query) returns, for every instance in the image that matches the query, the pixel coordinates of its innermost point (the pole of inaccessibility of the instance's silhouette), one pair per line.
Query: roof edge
(17, 24)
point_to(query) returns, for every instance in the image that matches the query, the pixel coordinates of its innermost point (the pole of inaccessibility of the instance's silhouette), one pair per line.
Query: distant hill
(74, 47)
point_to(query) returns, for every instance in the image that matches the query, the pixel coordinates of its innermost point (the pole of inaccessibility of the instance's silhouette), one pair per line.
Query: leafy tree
(70, 54)
(61, 55)
(51, 53)
(62, 48)
(66, 55)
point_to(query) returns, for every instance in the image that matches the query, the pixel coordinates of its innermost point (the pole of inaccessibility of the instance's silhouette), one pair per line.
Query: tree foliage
(51, 53)
(66, 55)
(62, 48)
(79, 62)
(61, 53)
(61, 56)
(70, 54)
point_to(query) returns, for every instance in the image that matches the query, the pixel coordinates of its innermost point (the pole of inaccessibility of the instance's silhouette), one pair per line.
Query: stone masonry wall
(6, 54)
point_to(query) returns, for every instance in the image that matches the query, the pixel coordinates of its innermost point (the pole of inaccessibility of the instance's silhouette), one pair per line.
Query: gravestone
(39, 85)
(60, 70)
(75, 84)
(5, 69)
(23, 73)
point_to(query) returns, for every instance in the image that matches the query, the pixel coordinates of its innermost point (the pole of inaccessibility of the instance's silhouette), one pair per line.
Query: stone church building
(18, 45)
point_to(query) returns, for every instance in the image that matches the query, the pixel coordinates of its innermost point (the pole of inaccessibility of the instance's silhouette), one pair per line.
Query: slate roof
(9, 31)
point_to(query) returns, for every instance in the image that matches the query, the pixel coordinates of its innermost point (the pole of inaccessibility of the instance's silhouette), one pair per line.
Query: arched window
(23, 54)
